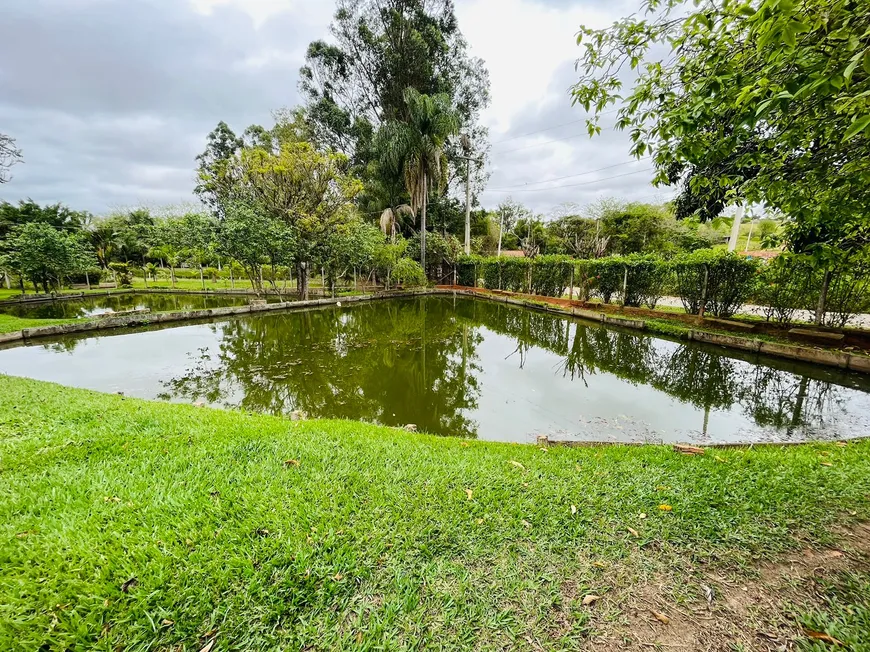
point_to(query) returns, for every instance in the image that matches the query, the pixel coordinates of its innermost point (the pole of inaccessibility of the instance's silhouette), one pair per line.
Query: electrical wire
(571, 176)
(576, 185)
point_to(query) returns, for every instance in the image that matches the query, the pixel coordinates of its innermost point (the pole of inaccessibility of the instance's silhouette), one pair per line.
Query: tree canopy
(757, 101)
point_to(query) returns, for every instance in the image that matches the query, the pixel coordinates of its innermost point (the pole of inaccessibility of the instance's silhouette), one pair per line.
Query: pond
(92, 305)
(465, 367)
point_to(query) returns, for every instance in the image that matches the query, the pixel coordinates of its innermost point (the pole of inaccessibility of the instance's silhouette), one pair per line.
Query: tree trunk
(172, 274)
(6, 280)
(201, 278)
(88, 280)
(302, 280)
(423, 225)
(232, 280)
(823, 297)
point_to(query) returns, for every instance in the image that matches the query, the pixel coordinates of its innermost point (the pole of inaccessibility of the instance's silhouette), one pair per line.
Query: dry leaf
(842, 444)
(338, 577)
(663, 619)
(291, 462)
(167, 623)
(590, 599)
(129, 584)
(573, 509)
(599, 564)
(480, 521)
(526, 523)
(518, 465)
(464, 444)
(634, 532)
(826, 464)
(469, 493)
(208, 647)
(643, 515)
(688, 450)
(666, 508)
(821, 636)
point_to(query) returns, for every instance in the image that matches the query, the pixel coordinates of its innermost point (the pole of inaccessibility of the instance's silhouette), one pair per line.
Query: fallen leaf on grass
(821, 636)
(688, 450)
(518, 465)
(590, 599)
(338, 577)
(643, 515)
(291, 462)
(208, 647)
(469, 493)
(167, 623)
(526, 523)
(634, 532)
(659, 616)
(129, 584)
(666, 508)
(573, 509)
(826, 464)
(599, 564)
(464, 444)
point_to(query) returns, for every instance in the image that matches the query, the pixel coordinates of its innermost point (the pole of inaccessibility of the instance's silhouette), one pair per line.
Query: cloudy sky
(111, 100)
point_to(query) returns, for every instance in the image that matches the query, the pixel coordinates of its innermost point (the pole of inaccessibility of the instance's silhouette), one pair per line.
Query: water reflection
(470, 368)
(90, 306)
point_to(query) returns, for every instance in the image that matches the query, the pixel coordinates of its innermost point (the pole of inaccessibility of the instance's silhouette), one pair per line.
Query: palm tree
(416, 146)
(391, 217)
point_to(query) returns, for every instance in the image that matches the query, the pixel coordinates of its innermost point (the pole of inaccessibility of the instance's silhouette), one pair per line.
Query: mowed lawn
(134, 525)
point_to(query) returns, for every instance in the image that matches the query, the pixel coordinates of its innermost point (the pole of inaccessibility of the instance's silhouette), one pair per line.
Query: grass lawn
(10, 323)
(135, 525)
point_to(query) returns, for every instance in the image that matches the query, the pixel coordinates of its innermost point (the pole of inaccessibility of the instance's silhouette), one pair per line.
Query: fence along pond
(464, 367)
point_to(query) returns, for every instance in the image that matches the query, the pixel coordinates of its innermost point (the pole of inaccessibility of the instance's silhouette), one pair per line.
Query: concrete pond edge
(823, 357)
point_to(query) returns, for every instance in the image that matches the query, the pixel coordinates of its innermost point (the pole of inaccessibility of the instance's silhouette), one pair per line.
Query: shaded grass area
(142, 525)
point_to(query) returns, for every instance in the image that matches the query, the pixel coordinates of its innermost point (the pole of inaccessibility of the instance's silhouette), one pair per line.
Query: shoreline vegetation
(15, 330)
(144, 524)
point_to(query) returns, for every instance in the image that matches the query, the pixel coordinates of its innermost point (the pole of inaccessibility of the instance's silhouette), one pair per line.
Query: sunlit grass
(271, 534)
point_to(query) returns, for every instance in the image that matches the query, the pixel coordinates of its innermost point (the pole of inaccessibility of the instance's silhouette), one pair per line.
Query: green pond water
(464, 367)
(92, 305)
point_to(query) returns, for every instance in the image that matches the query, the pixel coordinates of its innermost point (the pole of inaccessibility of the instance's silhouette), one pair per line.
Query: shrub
(408, 273)
(730, 279)
(123, 274)
(550, 275)
(648, 277)
(605, 277)
(785, 286)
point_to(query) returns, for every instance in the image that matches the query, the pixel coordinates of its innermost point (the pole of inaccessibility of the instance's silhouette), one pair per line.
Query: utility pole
(500, 229)
(735, 228)
(467, 206)
(465, 141)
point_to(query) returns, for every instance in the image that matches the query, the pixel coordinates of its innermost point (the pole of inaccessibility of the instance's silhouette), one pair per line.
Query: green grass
(10, 323)
(371, 541)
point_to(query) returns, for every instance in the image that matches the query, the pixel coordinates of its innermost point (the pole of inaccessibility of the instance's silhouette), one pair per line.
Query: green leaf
(867, 61)
(857, 127)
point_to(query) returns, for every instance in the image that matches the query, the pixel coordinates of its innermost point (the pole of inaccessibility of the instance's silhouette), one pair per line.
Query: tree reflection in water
(418, 361)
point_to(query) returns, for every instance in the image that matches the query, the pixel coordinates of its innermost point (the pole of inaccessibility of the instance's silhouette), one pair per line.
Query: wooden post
(704, 293)
(571, 286)
(624, 285)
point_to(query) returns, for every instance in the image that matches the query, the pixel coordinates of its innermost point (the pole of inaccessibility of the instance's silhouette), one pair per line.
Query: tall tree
(357, 83)
(757, 100)
(9, 156)
(416, 145)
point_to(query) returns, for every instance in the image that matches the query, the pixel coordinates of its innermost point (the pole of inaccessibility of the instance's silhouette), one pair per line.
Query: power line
(539, 131)
(570, 176)
(575, 185)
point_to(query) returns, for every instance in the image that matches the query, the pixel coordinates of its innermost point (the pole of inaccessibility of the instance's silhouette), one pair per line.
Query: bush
(123, 273)
(550, 275)
(466, 271)
(408, 273)
(604, 277)
(730, 278)
(648, 277)
(785, 286)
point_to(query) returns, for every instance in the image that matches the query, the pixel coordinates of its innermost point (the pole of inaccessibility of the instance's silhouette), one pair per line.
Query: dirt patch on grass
(697, 609)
